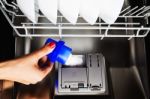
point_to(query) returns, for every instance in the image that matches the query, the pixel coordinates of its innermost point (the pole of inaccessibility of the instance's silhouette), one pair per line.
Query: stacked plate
(90, 10)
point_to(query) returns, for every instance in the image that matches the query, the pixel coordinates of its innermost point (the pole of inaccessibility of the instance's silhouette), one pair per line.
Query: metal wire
(127, 13)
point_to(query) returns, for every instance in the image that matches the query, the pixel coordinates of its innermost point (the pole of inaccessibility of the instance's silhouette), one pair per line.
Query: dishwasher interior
(124, 60)
(114, 56)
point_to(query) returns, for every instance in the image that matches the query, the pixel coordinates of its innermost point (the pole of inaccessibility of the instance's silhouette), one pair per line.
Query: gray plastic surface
(90, 79)
(71, 77)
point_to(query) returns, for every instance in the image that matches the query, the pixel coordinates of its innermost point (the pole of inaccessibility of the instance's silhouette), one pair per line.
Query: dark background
(7, 41)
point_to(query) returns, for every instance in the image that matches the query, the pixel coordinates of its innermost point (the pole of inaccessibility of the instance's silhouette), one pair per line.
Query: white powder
(75, 60)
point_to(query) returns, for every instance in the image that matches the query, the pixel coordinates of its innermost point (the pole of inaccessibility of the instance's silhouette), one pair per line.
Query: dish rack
(133, 21)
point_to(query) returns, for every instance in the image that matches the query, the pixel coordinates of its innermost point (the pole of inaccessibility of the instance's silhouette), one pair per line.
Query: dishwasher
(114, 55)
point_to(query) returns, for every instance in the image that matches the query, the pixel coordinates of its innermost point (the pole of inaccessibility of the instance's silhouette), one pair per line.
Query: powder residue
(75, 60)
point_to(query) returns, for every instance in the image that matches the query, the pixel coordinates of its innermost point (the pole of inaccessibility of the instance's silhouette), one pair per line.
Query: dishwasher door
(126, 67)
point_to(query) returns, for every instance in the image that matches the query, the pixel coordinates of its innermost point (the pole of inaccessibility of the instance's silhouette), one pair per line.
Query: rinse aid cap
(61, 52)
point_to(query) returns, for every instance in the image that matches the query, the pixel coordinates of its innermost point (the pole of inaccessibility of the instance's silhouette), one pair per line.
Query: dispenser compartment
(88, 78)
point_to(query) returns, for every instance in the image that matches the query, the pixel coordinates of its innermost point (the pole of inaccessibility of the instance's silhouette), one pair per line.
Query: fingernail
(51, 45)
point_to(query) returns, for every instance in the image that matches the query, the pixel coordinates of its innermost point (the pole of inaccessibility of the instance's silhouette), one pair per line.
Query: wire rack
(132, 22)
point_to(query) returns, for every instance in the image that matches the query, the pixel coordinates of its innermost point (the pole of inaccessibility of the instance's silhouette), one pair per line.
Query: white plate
(49, 9)
(69, 9)
(28, 8)
(110, 10)
(89, 10)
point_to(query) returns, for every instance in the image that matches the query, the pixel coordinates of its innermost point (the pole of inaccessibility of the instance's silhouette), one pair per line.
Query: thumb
(44, 50)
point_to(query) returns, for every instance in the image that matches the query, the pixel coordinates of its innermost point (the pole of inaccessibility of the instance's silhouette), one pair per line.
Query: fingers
(48, 68)
(42, 73)
(44, 50)
(24, 82)
(39, 76)
(43, 62)
(35, 68)
(43, 59)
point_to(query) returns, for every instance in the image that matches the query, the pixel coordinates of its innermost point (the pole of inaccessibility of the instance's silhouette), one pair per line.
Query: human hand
(28, 69)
